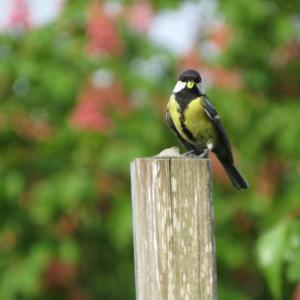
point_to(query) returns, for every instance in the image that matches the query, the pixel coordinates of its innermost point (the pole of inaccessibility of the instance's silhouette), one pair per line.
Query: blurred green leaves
(278, 247)
(24, 277)
(65, 220)
(292, 253)
(12, 185)
(60, 194)
(270, 251)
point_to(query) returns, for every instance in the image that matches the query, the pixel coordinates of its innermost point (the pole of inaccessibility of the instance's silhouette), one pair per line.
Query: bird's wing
(214, 117)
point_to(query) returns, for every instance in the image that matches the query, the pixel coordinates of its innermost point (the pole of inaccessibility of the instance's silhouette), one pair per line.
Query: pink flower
(221, 35)
(296, 295)
(102, 32)
(140, 16)
(20, 15)
(221, 77)
(95, 104)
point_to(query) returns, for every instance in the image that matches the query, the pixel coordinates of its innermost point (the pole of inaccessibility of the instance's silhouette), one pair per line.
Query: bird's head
(189, 79)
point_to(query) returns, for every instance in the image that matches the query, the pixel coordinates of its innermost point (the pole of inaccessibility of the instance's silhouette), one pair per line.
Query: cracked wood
(173, 229)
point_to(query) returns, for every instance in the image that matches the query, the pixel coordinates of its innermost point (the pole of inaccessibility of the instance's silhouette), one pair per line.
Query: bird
(192, 117)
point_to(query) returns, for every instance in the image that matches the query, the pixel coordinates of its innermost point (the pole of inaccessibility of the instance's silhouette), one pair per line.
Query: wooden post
(173, 229)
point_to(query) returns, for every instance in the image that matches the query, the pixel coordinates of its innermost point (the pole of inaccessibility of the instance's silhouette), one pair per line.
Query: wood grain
(173, 229)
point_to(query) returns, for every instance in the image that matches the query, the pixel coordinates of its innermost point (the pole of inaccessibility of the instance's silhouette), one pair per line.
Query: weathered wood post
(173, 229)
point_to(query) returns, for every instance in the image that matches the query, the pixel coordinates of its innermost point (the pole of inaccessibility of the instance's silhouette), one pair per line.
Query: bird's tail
(233, 173)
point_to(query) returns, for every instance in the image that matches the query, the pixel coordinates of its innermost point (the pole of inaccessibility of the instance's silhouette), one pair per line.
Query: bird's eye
(190, 84)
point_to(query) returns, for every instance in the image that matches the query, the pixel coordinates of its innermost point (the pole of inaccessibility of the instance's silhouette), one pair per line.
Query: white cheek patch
(180, 85)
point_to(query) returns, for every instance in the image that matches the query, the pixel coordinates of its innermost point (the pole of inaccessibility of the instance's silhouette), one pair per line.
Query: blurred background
(83, 90)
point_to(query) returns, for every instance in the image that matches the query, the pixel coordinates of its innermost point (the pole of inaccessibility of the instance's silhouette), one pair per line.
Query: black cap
(190, 74)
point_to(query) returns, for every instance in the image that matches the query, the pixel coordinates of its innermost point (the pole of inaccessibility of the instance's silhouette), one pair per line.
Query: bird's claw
(190, 154)
(204, 154)
(193, 153)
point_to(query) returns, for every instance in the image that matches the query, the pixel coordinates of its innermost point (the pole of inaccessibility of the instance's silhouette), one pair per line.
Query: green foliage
(65, 229)
(277, 247)
(270, 248)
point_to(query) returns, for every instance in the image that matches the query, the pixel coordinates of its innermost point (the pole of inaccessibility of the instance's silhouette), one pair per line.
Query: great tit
(196, 123)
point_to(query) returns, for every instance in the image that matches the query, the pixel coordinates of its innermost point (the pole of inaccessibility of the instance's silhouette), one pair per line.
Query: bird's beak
(180, 85)
(190, 84)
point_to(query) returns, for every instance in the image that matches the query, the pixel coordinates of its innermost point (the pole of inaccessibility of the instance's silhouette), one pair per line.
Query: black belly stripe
(184, 128)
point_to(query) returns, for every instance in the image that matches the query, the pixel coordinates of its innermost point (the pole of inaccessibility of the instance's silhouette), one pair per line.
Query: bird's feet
(191, 153)
(196, 153)
(204, 153)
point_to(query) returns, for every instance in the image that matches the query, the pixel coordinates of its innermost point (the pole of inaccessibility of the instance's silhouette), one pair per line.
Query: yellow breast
(174, 110)
(195, 120)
